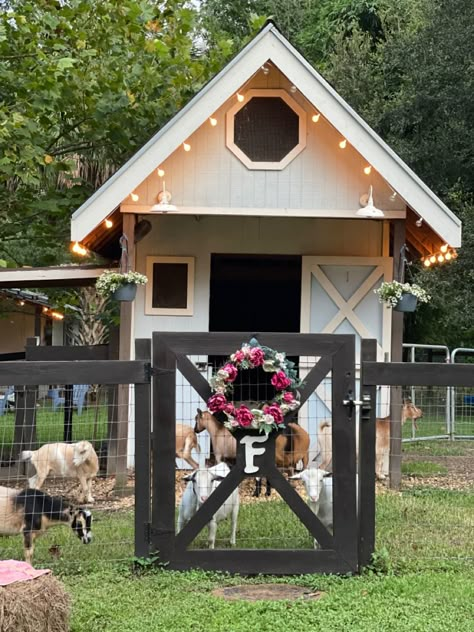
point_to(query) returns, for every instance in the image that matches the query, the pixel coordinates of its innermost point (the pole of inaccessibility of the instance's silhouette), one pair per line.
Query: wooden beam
(120, 445)
(418, 374)
(395, 466)
(78, 372)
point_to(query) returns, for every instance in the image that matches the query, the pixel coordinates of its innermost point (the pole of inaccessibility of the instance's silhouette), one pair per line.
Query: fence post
(367, 446)
(142, 455)
(25, 413)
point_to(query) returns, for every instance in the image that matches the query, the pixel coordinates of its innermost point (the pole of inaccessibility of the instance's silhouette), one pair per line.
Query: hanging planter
(402, 297)
(120, 286)
(406, 303)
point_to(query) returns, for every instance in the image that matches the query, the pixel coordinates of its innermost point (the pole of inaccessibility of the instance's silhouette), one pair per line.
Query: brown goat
(289, 448)
(186, 440)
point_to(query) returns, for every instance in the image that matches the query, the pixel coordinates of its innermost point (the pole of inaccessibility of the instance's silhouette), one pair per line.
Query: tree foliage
(84, 84)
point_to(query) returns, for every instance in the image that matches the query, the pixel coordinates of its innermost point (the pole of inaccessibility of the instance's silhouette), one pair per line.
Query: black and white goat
(31, 512)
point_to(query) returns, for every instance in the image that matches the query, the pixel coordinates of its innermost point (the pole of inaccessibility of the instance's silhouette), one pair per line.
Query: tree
(84, 84)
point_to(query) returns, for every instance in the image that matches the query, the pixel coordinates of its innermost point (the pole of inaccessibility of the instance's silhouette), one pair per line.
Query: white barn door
(337, 296)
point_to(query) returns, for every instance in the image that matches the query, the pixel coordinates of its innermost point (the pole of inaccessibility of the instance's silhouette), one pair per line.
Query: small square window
(170, 287)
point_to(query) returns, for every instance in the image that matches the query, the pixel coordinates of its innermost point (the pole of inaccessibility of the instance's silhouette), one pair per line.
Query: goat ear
(190, 477)
(199, 412)
(326, 474)
(295, 477)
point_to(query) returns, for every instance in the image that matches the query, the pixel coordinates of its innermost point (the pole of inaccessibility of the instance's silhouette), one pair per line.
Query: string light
(444, 254)
(265, 70)
(21, 303)
(213, 121)
(135, 197)
(343, 144)
(45, 310)
(367, 170)
(240, 97)
(108, 223)
(186, 147)
(57, 315)
(293, 89)
(78, 249)
(315, 117)
(161, 172)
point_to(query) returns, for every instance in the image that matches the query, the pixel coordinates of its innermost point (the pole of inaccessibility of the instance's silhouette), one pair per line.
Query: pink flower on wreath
(288, 397)
(231, 370)
(280, 381)
(257, 357)
(275, 411)
(216, 403)
(229, 409)
(238, 356)
(244, 416)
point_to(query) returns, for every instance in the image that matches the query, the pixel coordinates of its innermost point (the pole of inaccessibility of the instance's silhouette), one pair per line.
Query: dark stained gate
(339, 552)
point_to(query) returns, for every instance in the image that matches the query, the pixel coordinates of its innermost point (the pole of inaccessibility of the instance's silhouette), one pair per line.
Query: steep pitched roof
(269, 44)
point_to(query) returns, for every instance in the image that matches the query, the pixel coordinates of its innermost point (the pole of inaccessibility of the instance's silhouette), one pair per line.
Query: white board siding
(322, 176)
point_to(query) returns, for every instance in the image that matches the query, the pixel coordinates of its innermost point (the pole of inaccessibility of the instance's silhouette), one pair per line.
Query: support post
(366, 508)
(142, 456)
(25, 413)
(125, 353)
(395, 466)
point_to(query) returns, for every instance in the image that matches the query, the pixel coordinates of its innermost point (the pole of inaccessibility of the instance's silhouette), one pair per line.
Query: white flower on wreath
(280, 357)
(268, 419)
(269, 366)
(284, 409)
(222, 374)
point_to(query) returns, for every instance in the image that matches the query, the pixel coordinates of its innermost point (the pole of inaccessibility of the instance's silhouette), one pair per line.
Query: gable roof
(269, 45)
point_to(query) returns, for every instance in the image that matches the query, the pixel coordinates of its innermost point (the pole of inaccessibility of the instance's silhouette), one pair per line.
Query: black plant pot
(125, 293)
(406, 303)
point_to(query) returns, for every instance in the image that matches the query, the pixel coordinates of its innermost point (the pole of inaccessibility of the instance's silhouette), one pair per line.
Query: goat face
(81, 523)
(205, 481)
(313, 482)
(411, 411)
(199, 425)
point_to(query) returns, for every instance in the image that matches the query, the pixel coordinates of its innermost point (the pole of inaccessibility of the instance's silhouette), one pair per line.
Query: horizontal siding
(322, 176)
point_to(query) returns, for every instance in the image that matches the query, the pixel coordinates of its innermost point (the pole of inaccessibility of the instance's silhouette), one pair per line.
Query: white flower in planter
(390, 292)
(109, 282)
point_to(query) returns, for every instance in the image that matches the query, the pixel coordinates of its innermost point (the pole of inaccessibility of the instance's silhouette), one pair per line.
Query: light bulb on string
(315, 117)
(134, 197)
(240, 97)
(427, 263)
(160, 172)
(293, 89)
(444, 248)
(108, 223)
(343, 144)
(367, 170)
(440, 258)
(186, 147)
(213, 121)
(433, 259)
(448, 256)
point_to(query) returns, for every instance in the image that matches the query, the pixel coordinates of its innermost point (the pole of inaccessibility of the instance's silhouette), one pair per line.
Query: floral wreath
(266, 416)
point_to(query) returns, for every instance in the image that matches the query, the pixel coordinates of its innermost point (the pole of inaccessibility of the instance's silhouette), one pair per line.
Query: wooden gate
(339, 552)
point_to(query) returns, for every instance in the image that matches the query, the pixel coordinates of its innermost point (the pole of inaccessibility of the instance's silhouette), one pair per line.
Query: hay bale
(39, 605)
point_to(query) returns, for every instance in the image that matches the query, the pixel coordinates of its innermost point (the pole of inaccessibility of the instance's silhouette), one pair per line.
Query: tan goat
(186, 440)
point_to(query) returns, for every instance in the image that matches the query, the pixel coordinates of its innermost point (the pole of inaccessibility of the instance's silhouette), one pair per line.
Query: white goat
(318, 485)
(201, 484)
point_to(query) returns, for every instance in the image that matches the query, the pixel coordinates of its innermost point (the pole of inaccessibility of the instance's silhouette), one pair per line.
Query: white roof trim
(24, 277)
(269, 44)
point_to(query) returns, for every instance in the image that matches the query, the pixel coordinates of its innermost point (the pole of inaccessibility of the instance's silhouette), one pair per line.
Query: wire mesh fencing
(34, 423)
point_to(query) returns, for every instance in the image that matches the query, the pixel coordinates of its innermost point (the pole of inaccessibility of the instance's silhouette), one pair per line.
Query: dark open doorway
(255, 293)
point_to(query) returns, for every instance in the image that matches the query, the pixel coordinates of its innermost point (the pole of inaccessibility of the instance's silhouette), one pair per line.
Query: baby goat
(318, 485)
(31, 512)
(201, 484)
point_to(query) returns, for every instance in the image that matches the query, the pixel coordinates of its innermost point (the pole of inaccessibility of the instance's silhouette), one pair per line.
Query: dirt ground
(460, 476)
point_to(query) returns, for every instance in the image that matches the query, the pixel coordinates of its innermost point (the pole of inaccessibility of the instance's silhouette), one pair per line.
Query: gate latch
(350, 403)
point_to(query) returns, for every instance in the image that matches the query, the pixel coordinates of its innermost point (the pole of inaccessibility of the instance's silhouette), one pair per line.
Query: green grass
(429, 583)
(111, 600)
(438, 448)
(423, 468)
(49, 426)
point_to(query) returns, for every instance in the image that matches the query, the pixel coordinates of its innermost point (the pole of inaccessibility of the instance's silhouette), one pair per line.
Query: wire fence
(430, 520)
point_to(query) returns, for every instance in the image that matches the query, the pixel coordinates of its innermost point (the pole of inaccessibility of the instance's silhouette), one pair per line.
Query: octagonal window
(267, 130)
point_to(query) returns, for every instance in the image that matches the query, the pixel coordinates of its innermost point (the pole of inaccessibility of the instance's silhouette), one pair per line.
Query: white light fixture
(315, 117)
(293, 89)
(240, 97)
(186, 147)
(343, 144)
(135, 197)
(161, 172)
(368, 209)
(164, 199)
(368, 170)
(265, 70)
(393, 197)
(212, 121)
(419, 222)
